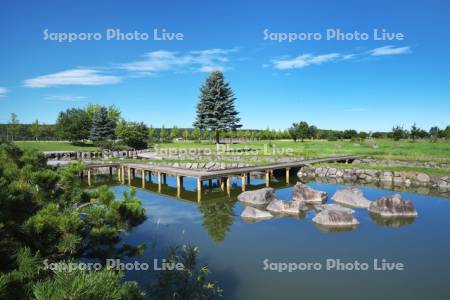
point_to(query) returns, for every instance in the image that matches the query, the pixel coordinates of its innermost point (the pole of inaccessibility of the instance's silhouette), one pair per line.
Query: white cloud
(390, 50)
(72, 77)
(304, 60)
(65, 98)
(3, 91)
(197, 61)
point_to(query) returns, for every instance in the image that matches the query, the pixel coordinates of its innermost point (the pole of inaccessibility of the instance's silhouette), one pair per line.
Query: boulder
(335, 207)
(251, 214)
(286, 207)
(304, 193)
(392, 206)
(335, 218)
(351, 197)
(258, 198)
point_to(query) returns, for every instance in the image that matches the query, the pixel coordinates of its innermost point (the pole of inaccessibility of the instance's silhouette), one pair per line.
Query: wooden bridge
(127, 171)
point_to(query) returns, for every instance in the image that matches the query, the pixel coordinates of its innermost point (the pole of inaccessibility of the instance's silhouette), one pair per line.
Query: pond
(237, 252)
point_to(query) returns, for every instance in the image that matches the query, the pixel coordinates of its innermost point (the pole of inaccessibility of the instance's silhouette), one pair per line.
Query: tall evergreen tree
(102, 127)
(215, 110)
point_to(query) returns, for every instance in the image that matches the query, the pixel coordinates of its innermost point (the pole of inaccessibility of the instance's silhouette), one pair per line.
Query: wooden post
(143, 178)
(159, 182)
(122, 174)
(287, 175)
(179, 185)
(110, 171)
(134, 173)
(228, 185)
(199, 189)
(129, 176)
(118, 174)
(222, 184)
(89, 177)
(267, 178)
(243, 182)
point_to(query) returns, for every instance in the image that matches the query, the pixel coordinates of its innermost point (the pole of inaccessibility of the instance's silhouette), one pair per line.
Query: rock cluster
(397, 163)
(78, 155)
(393, 177)
(262, 205)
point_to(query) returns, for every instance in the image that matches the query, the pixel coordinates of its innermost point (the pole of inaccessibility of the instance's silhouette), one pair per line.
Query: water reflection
(218, 216)
(395, 222)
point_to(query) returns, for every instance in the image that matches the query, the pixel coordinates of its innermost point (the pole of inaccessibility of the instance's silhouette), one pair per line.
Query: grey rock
(258, 198)
(352, 197)
(335, 207)
(253, 214)
(286, 207)
(303, 193)
(335, 218)
(393, 206)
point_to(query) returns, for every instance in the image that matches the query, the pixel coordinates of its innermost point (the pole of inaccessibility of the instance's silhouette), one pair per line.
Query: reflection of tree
(218, 215)
(391, 222)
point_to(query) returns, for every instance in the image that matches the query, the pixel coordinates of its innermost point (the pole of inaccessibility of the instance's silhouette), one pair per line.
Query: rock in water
(304, 193)
(352, 197)
(393, 206)
(251, 214)
(335, 207)
(258, 198)
(286, 207)
(335, 218)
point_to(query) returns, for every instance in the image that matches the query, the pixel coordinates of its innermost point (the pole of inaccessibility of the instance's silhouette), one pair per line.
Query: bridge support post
(199, 189)
(143, 178)
(287, 175)
(267, 178)
(129, 176)
(243, 182)
(228, 184)
(179, 185)
(89, 176)
(110, 171)
(122, 177)
(222, 184)
(118, 174)
(133, 173)
(159, 182)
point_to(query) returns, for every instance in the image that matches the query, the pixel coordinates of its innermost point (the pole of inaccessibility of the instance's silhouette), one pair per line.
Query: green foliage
(215, 110)
(218, 216)
(102, 131)
(189, 283)
(13, 126)
(74, 124)
(44, 212)
(175, 132)
(134, 135)
(398, 133)
(447, 132)
(299, 131)
(79, 284)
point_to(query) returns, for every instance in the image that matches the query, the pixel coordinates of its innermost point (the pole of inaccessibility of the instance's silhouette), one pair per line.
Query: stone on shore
(252, 215)
(335, 218)
(304, 193)
(286, 207)
(351, 197)
(258, 198)
(393, 206)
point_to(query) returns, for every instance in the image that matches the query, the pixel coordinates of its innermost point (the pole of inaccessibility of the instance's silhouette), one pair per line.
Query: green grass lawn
(55, 146)
(407, 150)
(384, 149)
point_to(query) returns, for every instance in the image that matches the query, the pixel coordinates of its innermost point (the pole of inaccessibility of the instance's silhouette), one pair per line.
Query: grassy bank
(383, 149)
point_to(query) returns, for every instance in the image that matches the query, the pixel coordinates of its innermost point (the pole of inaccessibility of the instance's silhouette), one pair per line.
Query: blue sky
(363, 84)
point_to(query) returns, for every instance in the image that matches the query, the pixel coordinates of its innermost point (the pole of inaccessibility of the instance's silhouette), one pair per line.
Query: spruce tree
(215, 109)
(102, 127)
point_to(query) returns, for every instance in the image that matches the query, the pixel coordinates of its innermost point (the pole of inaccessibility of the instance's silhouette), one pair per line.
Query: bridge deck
(216, 174)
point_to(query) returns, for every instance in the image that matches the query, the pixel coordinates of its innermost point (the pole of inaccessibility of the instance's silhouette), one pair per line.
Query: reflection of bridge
(127, 171)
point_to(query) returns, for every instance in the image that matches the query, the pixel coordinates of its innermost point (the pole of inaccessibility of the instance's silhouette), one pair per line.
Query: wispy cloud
(72, 77)
(305, 60)
(358, 109)
(65, 98)
(390, 50)
(3, 91)
(196, 61)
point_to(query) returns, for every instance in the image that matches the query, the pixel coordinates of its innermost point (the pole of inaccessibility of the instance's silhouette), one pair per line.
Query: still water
(235, 251)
